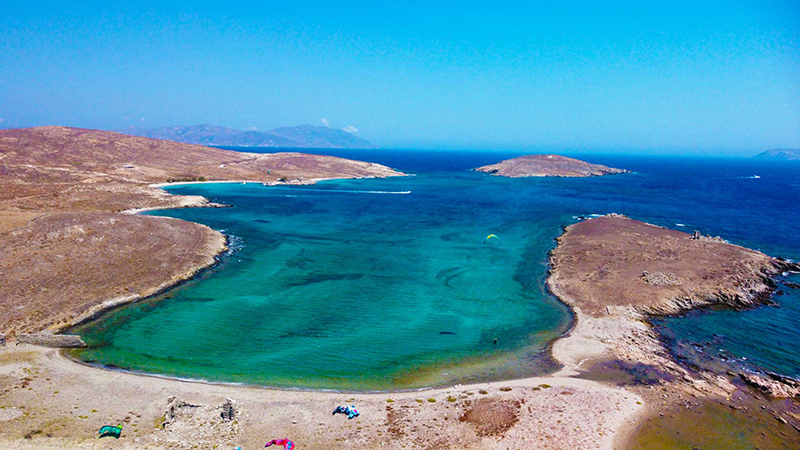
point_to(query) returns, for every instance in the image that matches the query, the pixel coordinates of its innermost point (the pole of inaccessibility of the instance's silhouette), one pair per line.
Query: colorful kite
(110, 430)
(350, 411)
(287, 444)
(489, 237)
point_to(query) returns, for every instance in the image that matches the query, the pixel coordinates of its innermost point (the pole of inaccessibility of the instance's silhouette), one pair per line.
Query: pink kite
(287, 444)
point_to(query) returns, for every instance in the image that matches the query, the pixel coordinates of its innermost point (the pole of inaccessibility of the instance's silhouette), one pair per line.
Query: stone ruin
(697, 236)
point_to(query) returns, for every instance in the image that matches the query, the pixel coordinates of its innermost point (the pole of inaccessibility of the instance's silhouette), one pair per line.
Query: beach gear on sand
(110, 430)
(287, 444)
(489, 237)
(350, 411)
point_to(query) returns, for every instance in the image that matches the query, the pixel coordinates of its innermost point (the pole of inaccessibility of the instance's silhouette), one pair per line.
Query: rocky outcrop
(776, 386)
(52, 340)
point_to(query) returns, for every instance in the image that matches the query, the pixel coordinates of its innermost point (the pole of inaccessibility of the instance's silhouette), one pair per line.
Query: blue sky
(679, 77)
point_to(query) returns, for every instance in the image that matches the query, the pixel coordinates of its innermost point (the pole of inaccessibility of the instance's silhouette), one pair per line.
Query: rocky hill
(547, 166)
(49, 161)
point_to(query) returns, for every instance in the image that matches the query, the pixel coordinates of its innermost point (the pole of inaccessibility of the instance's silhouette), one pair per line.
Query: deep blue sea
(388, 283)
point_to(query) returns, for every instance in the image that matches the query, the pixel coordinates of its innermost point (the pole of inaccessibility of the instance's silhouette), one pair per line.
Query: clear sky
(718, 77)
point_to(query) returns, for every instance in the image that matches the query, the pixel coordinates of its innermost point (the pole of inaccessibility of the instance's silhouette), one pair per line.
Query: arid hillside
(547, 166)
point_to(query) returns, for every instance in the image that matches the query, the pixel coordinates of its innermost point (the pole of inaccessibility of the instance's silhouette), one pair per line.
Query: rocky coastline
(603, 268)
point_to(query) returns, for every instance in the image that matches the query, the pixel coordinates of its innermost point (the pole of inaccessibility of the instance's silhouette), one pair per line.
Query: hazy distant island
(783, 154)
(301, 136)
(547, 166)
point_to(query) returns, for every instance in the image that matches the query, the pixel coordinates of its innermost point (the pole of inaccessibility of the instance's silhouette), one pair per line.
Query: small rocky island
(548, 166)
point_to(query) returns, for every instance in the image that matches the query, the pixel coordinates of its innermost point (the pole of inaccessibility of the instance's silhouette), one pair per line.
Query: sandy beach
(49, 401)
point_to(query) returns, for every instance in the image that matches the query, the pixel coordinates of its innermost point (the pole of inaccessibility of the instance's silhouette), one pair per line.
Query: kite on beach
(287, 444)
(110, 430)
(350, 411)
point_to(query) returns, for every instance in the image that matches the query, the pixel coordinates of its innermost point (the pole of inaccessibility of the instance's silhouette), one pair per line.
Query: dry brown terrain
(66, 250)
(61, 265)
(60, 168)
(619, 262)
(547, 166)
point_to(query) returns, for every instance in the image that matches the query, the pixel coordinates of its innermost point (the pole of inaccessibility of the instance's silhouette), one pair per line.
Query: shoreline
(304, 415)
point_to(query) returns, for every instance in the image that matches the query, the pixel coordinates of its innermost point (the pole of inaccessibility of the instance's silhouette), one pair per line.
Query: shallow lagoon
(387, 284)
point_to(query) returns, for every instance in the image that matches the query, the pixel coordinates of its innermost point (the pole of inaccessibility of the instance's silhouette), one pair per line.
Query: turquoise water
(387, 284)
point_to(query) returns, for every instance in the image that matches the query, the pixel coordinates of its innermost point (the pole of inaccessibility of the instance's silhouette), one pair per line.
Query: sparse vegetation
(185, 179)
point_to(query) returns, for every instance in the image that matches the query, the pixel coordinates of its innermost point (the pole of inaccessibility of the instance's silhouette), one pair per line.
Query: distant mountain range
(784, 154)
(302, 136)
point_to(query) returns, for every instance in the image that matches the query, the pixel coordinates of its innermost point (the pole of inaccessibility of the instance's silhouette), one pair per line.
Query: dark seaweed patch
(321, 278)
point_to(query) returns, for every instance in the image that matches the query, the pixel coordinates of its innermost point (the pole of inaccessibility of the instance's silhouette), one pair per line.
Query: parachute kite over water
(110, 430)
(287, 444)
(490, 237)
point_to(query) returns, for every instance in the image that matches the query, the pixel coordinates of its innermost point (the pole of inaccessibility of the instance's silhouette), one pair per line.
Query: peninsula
(615, 273)
(67, 250)
(547, 166)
